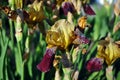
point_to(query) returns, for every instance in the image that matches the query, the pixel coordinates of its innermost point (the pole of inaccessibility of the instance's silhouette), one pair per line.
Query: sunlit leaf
(109, 73)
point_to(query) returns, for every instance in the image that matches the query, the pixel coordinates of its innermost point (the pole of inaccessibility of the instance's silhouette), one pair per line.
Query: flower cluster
(69, 39)
(64, 33)
(61, 35)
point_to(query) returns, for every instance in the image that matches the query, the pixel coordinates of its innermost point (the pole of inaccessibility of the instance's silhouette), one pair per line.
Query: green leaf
(30, 65)
(19, 62)
(3, 53)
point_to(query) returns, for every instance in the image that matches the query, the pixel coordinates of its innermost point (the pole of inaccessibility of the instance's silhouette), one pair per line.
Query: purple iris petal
(94, 64)
(81, 39)
(88, 10)
(47, 62)
(84, 39)
(67, 7)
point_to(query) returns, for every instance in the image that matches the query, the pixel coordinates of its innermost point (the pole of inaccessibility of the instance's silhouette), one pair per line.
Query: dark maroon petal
(53, 6)
(84, 39)
(81, 39)
(47, 62)
(94, 64)
(25, 14)
(67, 7)
(88, 10)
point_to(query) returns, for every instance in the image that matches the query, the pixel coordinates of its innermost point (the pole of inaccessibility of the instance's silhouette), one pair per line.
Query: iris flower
(33, 15)
(36, 13)
(61, 35)
(109, 51)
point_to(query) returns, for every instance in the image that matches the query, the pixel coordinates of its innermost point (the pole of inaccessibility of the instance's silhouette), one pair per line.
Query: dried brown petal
(117, 8)
(56, 61)
(84, 51)
(116, 27)
(75, 75)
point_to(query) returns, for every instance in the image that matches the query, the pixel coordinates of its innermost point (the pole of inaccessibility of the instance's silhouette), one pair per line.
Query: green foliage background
(15, 64)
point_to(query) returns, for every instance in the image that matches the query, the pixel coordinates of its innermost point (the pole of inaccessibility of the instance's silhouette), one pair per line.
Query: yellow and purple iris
(61, 35)
(109, 51)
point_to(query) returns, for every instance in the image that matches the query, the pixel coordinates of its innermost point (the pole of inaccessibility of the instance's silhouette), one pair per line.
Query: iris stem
(43, 76)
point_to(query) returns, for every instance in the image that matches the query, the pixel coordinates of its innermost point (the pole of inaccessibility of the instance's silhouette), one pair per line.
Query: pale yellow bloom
(61, 34)
(36, 12)
(109, 51)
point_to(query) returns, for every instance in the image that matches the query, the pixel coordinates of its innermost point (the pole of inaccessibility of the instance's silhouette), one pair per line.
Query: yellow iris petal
(82, 22)
(60, 34)
(109, 52)
(36, 12)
